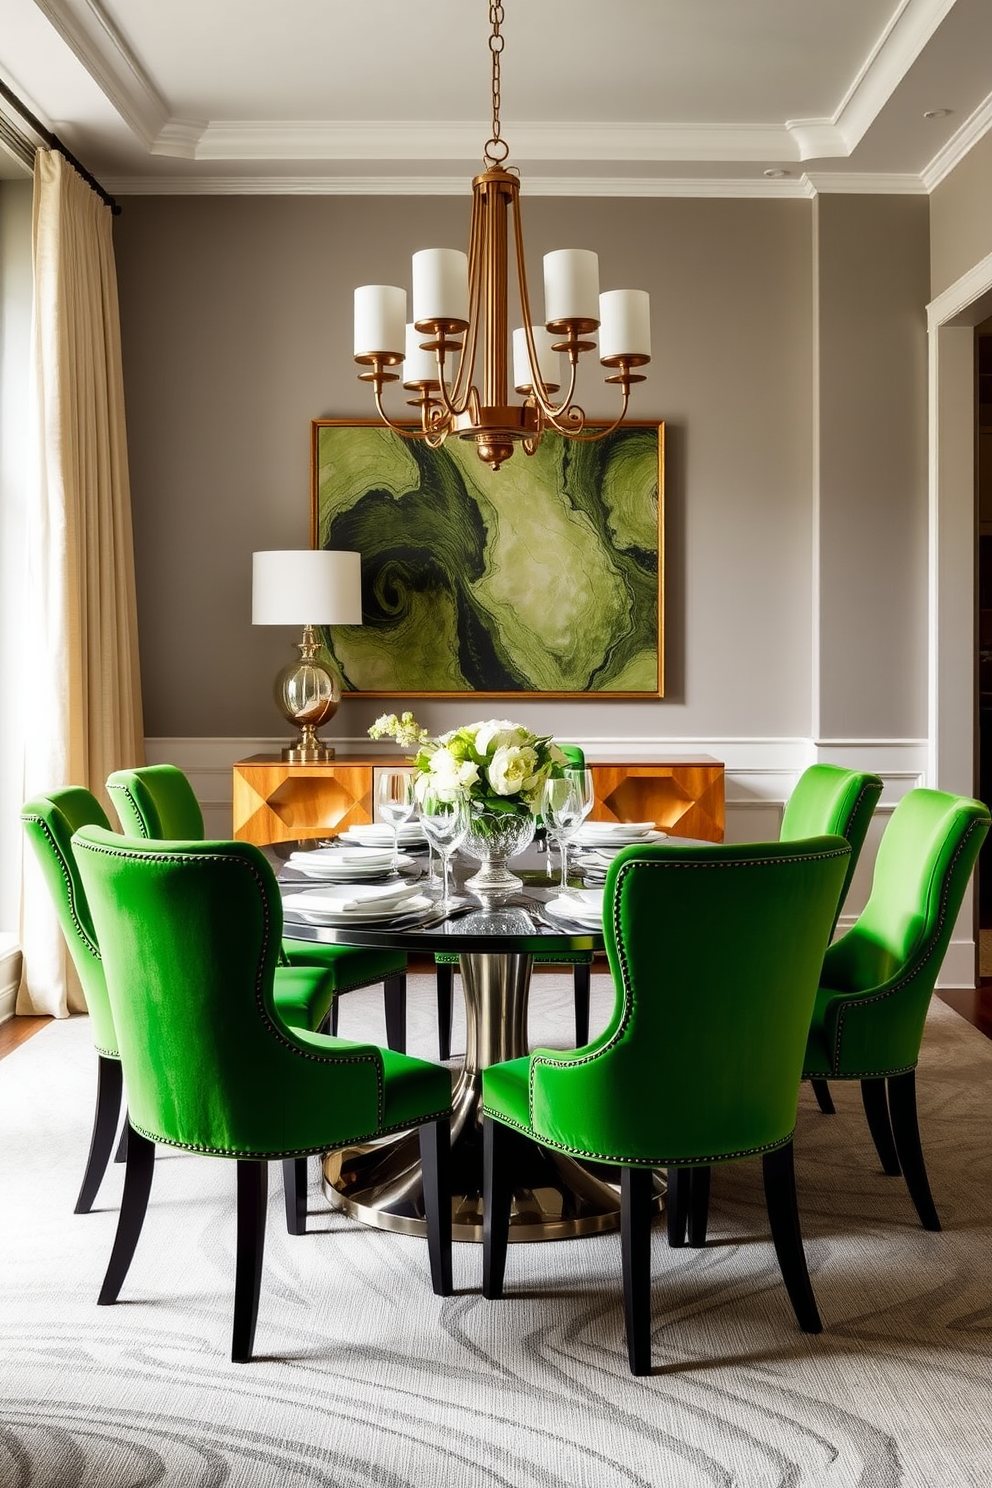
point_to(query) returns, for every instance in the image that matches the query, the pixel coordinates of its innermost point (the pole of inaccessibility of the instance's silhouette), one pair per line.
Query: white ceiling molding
(816, 139)
(791, 188)
(179, 139)
(957, 147)
(379, 139)
(899, 46)
(89, 34)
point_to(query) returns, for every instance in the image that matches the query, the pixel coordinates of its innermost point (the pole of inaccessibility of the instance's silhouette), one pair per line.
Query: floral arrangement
(496, 765)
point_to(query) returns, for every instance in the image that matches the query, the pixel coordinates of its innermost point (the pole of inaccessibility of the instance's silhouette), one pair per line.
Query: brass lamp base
(307, 695)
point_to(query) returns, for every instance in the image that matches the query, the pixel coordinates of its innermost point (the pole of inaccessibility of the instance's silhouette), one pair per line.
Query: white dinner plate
(379, 834)
(579, 906)
(349, 898)
(616, 835)
(333, 866)
(417, 904)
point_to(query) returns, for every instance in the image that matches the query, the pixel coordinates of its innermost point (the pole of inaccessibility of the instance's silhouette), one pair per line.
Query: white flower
(448, 776)
(513, 769)
(497, 733)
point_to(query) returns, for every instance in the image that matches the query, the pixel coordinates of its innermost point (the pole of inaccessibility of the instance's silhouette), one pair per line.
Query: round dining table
(554, 1197)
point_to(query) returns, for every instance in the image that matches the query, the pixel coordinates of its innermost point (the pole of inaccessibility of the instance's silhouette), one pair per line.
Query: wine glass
(566, 802)
(445, 825)
(396, 804)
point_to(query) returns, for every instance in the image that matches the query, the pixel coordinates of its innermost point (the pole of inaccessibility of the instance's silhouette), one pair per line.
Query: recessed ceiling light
(936, 113)
(775, 173)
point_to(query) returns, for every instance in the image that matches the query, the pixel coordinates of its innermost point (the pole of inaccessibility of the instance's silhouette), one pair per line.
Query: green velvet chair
(157, 801)
(580, 961)
(49, 822)
(209, 1063)
(303, 995)
(878, 979)
(715, 954)
(826, 799)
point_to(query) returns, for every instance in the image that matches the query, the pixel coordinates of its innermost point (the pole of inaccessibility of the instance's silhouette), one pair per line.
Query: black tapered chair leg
(779, 1174)
(445, 985)
(677, 1206)
(333, 1015)
(121, 1154)
(636, 1202)
(109, 1088)
(906, 1134)
(435, 1151)
(294, 1182)
(496, 1198)
(328, 1023)
(824, 1099)
(698, 1212)
(253, 1189)
(134, 1201)
(582, 981)
(394, 1001)
(873, 1098)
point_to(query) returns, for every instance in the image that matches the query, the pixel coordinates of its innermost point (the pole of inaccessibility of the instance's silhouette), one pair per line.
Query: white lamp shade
(625, 323)
(380, 319)
(571, 285)
(440, 285)
(418, 365)
(548, 360)
(301, 586)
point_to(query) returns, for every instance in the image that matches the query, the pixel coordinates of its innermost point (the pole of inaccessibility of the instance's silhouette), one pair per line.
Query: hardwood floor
(16, 1031)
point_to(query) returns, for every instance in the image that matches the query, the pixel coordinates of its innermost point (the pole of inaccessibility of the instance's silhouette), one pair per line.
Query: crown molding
(411, 139)
(957, 147)
(810, 184)
(900, 44)
(88, 33)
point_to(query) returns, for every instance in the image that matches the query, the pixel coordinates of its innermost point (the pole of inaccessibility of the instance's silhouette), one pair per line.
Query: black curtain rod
(54, 143)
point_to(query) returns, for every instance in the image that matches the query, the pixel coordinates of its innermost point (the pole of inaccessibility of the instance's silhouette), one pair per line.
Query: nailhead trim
(678, 1160)
(666, 865)
(204, 861)
(119, 785)
(285, 1152)
(91, 946)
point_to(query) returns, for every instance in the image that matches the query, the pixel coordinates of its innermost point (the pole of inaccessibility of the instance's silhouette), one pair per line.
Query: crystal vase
(493, 838)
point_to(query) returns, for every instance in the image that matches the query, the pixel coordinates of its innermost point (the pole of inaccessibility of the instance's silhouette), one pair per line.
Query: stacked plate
(380, 834)
(578, 907)
(346, 864)
(616, 834)
(356, 903)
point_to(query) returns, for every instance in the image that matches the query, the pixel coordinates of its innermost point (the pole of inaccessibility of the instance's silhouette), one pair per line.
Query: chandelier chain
(496, 149)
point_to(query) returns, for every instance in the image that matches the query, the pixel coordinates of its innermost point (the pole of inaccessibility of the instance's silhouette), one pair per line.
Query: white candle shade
(380, 319)
(440, 285)
(418, 365)
(625, 323)
(571, 285)
(302, 586)
(548, 361)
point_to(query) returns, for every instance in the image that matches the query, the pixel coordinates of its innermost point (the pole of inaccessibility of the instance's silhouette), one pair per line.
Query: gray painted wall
(791, 465)
(961, 218)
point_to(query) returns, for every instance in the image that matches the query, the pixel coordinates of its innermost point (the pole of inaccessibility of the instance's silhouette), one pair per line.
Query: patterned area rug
(363, 1377)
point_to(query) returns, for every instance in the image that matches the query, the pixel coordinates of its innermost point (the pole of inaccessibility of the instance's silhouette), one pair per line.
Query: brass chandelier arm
(541, 395)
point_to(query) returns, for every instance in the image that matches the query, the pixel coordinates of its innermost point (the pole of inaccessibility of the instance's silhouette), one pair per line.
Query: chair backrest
(156, 801)
(893, 953)
(189, 933)
(715, 953)
(574, 754)
(49, 822)
(829, 799)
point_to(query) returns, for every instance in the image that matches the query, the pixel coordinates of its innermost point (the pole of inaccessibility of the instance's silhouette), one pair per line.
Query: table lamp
(309, 588)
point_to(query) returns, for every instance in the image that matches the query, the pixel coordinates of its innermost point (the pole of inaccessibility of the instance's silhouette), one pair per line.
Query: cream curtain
(84, 698)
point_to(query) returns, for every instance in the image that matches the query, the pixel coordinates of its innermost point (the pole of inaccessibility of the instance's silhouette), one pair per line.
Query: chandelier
(460, 319)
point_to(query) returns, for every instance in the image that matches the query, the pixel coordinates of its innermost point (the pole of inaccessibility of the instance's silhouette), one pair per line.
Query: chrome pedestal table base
(554, 1197)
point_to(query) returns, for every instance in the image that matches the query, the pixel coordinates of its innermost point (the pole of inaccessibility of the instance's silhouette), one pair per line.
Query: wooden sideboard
(279, 802)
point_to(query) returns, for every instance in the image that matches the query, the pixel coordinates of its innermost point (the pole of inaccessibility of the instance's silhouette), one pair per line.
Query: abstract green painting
(542, 578)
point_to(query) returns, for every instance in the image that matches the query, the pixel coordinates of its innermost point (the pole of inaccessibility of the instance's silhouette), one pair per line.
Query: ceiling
(599, 97)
